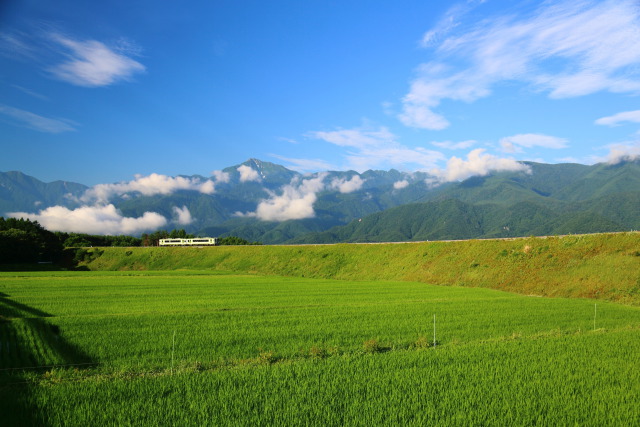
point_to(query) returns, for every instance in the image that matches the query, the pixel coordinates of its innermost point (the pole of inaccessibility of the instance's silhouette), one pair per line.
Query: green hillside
(605, 266)
(502, 214)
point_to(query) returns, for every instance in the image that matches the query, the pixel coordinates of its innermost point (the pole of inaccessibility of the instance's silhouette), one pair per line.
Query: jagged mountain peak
(268, 174)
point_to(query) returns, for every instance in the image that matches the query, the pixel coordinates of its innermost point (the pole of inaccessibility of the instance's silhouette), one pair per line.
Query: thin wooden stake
(595, 312)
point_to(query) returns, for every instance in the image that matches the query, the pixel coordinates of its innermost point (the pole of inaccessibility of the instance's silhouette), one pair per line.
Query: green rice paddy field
(214, 348)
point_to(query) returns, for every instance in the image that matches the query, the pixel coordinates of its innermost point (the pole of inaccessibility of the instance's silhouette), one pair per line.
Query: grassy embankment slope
(602, 266)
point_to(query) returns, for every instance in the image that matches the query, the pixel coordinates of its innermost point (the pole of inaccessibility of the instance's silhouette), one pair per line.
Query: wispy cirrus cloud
(371, 148)
(31, 93)
(617, 119)
(450, 145)
(37, 122)
(305, 165)
(17, 44)
(516, 143)
(565, 48)
(81, 62)
(91, 63)
(449, 21)
(360, 138)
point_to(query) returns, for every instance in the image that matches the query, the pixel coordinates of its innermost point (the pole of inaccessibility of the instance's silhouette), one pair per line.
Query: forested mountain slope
(256, 201)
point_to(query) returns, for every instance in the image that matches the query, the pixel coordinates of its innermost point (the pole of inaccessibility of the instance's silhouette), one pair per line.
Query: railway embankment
(600, 266)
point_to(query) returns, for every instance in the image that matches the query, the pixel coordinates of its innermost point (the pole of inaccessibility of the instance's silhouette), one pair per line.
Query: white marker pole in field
(595, 312)
(434, 331)
(173, 350)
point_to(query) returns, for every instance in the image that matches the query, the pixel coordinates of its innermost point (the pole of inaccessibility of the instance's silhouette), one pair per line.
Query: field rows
(193, 348)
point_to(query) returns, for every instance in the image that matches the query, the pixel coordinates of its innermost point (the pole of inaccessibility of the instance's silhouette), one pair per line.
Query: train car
(196, 241)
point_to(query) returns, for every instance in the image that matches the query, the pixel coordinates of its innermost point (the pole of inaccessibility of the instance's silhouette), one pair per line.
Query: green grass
(194, 348)
(604, 266)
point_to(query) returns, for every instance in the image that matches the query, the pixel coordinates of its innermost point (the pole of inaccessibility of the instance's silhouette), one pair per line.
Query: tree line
(26, 241)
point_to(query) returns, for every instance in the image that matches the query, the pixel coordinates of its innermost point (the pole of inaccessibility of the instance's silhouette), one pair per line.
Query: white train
(196, 241)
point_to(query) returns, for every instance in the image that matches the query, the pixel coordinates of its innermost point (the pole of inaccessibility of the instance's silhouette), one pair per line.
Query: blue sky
(99, 92)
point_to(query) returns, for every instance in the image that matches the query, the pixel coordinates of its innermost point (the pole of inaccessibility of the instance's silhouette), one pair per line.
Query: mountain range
(262, 201)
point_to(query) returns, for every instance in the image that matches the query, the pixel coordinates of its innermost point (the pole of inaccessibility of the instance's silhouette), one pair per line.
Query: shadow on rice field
(29, 345)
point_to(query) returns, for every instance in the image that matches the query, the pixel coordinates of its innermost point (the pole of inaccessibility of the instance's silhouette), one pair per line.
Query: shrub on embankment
(603, 266)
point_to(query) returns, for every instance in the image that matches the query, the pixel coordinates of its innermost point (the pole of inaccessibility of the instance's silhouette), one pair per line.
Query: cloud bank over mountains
(98, 215)
(295, 200)
(478, 163)
(105, 219)
(148, 186)
(98, 212)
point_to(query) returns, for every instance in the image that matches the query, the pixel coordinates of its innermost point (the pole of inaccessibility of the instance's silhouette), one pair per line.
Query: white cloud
(182, 215)
(399, 185)
(295, 202)
(360, 138)
(91, 63)
(31, 92)
(450, 145)
(36, 122)
(17, 44)
(566, 48)
(206, 187)
(616, 119)
(305, 165)
(377, 148)
(395, 155)
(568, 160)
(477, 164)
(623, 153)
(344, 185)
(247, 173)
(103, 220)
(450, 21)
(221, 176)
(148, 186)
(289, 140)
(437, 82)
(514, 144)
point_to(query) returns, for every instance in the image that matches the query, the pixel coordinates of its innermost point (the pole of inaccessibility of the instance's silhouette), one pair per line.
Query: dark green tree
(25, 241)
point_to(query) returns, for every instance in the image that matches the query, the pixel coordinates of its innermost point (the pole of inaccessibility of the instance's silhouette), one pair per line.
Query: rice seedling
(193, 348)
